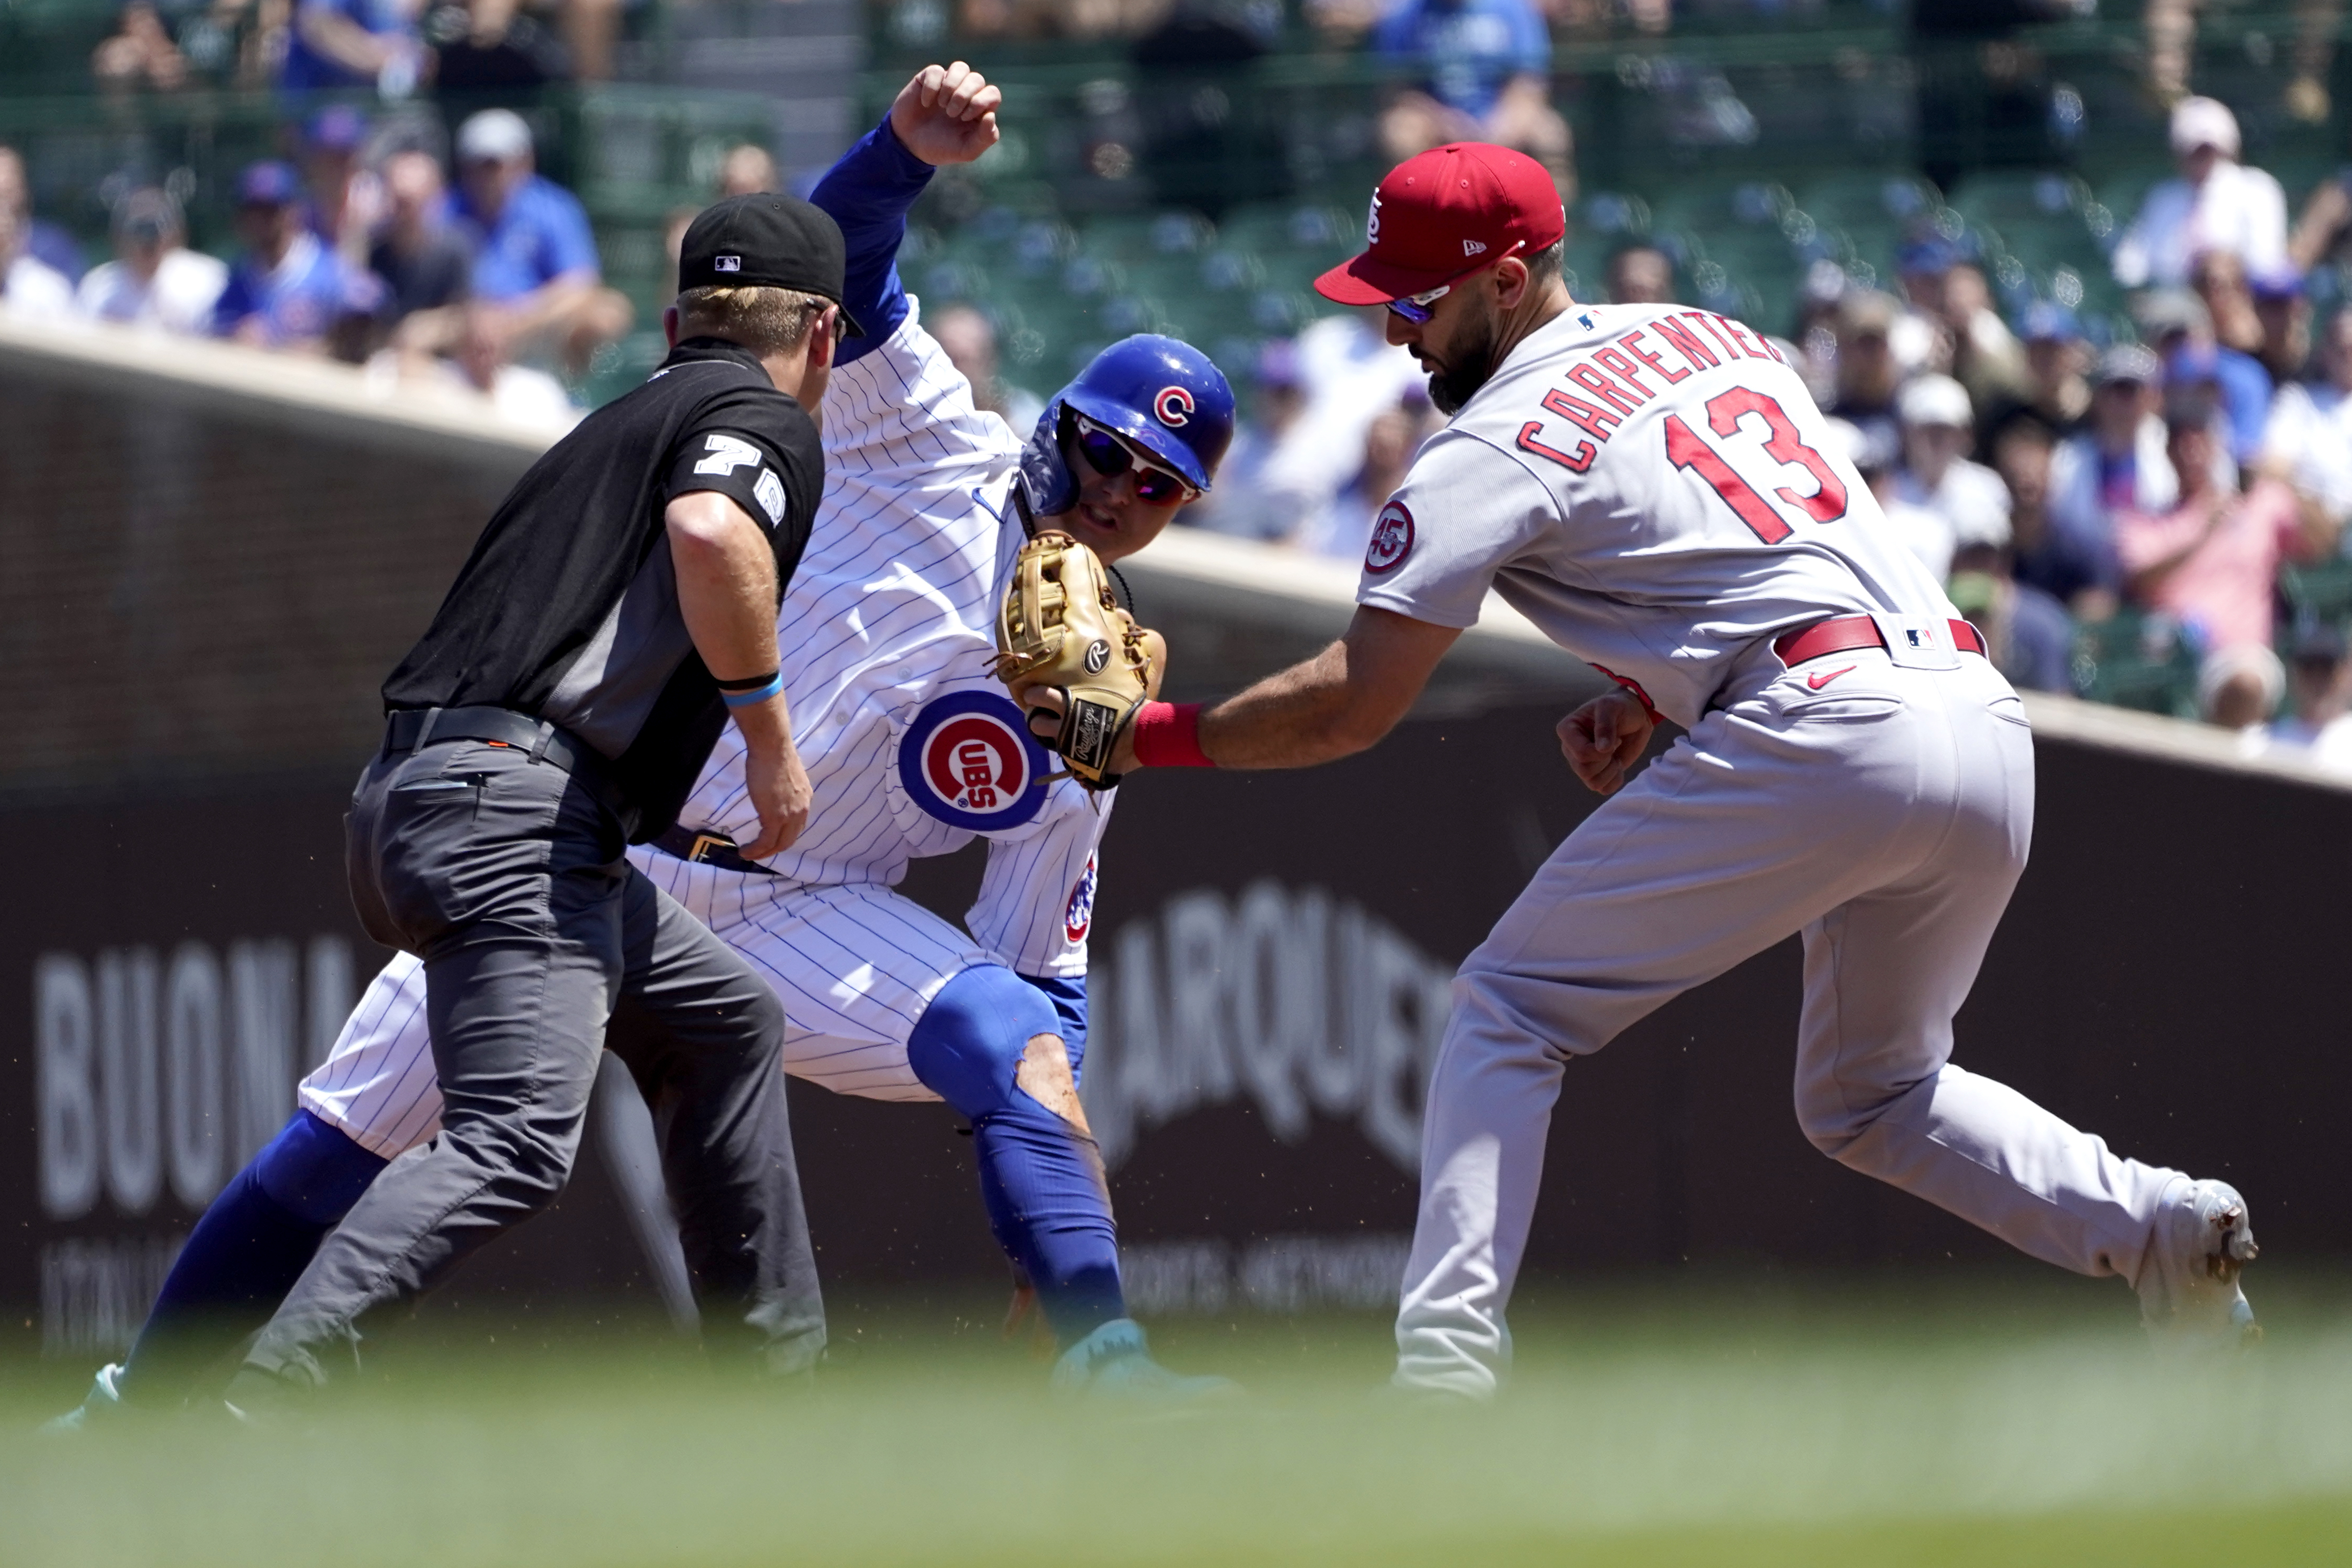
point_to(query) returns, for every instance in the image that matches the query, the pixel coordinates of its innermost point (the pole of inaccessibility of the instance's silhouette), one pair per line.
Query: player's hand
(947, 114)
(780, 793)
(1603, 739)
(1046, 704)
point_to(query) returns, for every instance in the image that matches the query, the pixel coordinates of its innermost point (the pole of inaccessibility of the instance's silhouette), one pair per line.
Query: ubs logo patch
(969, 761)
(1392, 539)
(1078, 917)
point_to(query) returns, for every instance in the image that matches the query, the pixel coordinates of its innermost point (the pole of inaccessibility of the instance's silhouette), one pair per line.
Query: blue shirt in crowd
(298, 300)
(306, 68)
(1470, 48)
(540, 234)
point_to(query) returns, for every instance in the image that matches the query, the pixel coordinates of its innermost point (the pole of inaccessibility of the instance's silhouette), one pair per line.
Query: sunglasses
(1107, 453)
(1415, 308)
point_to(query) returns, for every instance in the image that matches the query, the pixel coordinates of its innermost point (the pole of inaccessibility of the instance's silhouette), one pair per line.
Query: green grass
(1669, 1423)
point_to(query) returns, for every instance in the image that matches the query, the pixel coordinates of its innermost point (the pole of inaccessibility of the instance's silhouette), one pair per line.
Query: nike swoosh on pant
(1818, 681)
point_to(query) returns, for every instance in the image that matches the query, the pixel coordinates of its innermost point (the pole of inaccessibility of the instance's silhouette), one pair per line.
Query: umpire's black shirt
(567, 607)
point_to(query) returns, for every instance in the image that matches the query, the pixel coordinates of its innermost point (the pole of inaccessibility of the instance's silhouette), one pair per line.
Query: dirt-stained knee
(1043, 1075)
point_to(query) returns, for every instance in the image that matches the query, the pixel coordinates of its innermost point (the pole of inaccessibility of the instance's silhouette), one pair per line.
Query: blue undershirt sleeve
(869, 192)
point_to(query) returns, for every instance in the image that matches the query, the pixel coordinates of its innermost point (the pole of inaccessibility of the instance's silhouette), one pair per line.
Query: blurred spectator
(536, 277)
(1641, 274)
(970, 339)
(346, 198)
(2057, 367)
(2217, 204)
(747, 170)
(2285, 312)
(1865, 375)
(2218, 279)
(492, 48)
(1987, 358)
(45, 241)
(29, 287)
(2077, 571)
(139, 53)
(288, 290)
(426, 265)
(1351, 375)
(1241, 504)
(2324, 225)
(155, 280)
(1345, 529)
(2178, 325)
(1969, 501)
(2212, 562)
(354, 43)
(1876, 455)
(2027, 633)
(1486, 68)
(2116, 463)
(2318, 727)
(2308, 443)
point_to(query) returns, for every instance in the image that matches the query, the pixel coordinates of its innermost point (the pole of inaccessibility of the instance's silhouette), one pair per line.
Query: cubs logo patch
(1392, 539)
(1173, 405)
(1078, 915)
(968, 760)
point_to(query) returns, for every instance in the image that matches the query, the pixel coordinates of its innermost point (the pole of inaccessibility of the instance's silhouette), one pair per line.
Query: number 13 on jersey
(1686, 448)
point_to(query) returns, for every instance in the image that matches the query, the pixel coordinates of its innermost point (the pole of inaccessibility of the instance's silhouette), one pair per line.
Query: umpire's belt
(707, 848)
(1846, 633)
(414, 729)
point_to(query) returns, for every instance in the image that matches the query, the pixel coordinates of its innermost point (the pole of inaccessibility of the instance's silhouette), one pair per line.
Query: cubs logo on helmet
(1078, 917)
(968, 760)
(1392, 538)
(1173, 405)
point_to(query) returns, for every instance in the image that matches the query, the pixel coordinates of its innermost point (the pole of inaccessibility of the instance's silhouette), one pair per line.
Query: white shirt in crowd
(2310, 437)
(35, 289)
(178, 299)
(1968, 506)
(2236, 209)
(1351, 375)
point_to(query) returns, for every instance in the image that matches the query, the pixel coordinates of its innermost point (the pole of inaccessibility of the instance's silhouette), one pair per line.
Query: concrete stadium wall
(208, 560)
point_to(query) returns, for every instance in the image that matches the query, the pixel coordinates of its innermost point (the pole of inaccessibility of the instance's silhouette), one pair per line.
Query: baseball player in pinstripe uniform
(912, 749)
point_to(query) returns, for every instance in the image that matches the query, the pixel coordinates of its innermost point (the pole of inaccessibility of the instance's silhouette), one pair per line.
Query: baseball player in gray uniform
(1654, 486)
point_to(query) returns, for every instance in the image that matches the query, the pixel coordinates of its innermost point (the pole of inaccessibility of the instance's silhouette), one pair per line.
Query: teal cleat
(103, 1404)
(1115, 1362)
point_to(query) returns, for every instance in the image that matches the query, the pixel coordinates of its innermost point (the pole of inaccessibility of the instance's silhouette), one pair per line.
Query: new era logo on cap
(1443, 216)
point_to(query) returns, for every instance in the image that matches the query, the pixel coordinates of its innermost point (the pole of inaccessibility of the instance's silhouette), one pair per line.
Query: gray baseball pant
(506, 877)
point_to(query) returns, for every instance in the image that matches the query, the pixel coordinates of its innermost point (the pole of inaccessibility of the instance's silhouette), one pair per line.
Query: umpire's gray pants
(507, 878)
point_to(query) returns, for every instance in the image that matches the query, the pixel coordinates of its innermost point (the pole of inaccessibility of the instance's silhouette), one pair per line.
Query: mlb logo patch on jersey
(1079, 916)
(969, 761)
(1392, 539)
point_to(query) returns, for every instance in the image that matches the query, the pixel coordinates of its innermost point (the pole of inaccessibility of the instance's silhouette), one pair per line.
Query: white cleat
(1115, 1362)
(101, 1404)
(2189, 1299)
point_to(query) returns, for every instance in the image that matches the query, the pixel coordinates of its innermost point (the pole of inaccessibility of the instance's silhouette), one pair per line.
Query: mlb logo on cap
(726, 264)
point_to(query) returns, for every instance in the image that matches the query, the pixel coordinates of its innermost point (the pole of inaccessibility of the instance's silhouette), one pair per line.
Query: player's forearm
(726, 572)
(1309, 714)
(868, 194)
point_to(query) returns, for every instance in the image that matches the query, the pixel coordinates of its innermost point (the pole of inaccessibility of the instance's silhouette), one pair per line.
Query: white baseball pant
(1885, 813)
(855, 966)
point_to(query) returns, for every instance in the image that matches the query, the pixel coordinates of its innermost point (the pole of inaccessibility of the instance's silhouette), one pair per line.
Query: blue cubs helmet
(1162, 394)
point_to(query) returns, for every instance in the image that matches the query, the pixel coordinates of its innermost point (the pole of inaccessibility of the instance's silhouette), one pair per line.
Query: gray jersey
(1654, 487)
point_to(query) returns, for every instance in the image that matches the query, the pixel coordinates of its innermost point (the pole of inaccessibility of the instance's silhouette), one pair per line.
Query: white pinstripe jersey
(891, 616)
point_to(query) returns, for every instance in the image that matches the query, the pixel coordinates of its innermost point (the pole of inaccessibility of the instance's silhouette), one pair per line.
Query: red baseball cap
(1443, 215)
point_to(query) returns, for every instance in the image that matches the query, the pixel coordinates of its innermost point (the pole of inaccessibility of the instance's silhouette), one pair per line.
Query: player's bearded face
(1462, 359)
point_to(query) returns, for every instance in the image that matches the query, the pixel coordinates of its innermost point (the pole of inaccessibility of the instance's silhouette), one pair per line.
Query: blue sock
(246, 1253)
(1041, 1180)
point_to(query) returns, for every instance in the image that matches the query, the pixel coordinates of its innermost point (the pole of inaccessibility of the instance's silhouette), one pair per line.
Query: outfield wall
(208, 558)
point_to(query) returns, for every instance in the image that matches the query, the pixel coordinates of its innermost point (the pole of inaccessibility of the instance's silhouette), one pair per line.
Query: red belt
(1846, 633)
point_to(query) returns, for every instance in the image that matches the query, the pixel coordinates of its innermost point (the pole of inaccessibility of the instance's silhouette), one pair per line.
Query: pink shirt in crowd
(2224, 588)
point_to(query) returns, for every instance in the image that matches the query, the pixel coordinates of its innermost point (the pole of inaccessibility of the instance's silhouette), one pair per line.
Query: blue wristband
(758, 694)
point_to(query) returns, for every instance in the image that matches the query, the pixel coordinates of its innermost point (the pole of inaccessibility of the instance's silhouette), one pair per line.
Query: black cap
(765, 240)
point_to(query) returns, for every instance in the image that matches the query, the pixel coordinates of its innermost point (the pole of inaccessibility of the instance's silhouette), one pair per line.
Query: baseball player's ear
(669, 324)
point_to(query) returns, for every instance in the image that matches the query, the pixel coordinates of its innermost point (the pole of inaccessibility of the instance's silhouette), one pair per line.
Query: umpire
(619, 608)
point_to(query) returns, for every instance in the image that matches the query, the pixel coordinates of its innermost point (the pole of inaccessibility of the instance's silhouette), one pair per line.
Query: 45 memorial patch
(969, 761)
